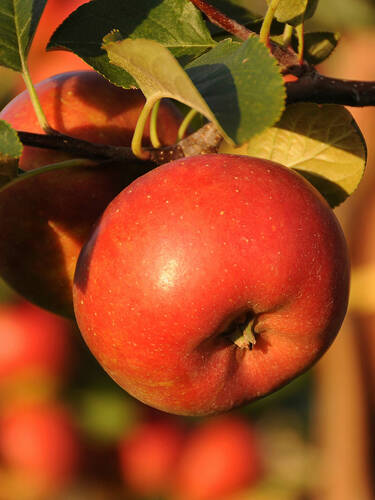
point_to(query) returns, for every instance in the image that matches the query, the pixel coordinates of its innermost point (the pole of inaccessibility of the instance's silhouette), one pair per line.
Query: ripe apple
(212, 281)
(35, 346)
(221, 457)
(149, 453)
(40, 442)
(45, 220)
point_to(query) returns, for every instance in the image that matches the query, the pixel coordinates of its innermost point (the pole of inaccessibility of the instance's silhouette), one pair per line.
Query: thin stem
(220, 19)
(154, 126)
(301, 42)
(35, 99)
(287, 35)
(136, 145)
(267, 21)
(185, 123)
(76, 162)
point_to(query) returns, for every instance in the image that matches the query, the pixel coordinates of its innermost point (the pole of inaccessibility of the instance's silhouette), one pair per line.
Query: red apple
(149, 453)
(221, 457)
(45, 220)
(194, 256)
(35, 345)
(40, 442)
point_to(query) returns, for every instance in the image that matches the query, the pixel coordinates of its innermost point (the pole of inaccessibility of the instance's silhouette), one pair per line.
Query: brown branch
(285, 56)
(76, 147)
(204, 140)
(220, 19)
(314, 87)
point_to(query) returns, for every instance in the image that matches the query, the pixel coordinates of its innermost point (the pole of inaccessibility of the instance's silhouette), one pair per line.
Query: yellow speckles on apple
(168, 274)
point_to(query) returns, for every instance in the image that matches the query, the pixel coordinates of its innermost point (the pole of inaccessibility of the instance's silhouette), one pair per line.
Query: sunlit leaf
(237, 86)
(321, 142)
(18, 22)
(175, 24)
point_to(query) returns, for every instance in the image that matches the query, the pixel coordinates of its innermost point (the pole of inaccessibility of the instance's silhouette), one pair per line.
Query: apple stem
(185, 123)
(76, 162)
(35, 99)
(301, 41)
(136, 144)
(153, 125)
(264, 33)
(287, 35)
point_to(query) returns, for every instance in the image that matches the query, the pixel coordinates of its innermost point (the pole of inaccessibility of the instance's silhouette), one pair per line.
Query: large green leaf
(322, 143)
(18, 22)
(242, 86)
(10, 152)
(176, 24)
(237, 86)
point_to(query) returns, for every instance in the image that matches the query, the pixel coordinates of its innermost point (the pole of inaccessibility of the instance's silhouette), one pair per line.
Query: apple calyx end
(243, 335)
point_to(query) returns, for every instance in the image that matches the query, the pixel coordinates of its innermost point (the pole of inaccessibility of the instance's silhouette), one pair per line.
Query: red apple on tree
(212, 281)
(35, 347)
(41, 444)
(149, 453)
(221, 457)
(43, 234)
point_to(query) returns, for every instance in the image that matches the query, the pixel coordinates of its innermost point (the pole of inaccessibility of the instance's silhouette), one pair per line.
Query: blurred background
(68, 432)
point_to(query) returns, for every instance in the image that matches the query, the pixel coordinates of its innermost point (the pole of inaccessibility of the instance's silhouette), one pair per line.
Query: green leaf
(289, 11)
(319, 45)
(322, 143)
(242, 85)
(237, 86)
(295, 11)
(175, 24)
(10, 152)
(18, 22)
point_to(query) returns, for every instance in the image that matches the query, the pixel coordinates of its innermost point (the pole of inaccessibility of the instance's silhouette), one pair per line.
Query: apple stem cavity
(242, 332)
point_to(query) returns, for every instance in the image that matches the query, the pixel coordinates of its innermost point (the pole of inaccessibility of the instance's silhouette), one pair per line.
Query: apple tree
(207, 80)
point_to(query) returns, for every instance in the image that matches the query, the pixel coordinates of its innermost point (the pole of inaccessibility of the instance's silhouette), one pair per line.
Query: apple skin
(149, 453)
(189, 249)
(41, 443)
(35, 345)
(221, 457)
(45, 220)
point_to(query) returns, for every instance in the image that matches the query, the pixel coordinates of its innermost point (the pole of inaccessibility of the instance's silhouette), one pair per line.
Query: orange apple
(149, 453)
(222, 456)
(40, 443)
(36, 347)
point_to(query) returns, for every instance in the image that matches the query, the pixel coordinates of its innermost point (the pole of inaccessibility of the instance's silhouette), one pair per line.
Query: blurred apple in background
(35, 349)
(41, 444)
(43, 235)
(221, 457)
(149, 454)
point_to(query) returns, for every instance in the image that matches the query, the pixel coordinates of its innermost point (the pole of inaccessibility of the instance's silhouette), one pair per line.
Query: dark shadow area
(45, 220)
(215, 83)
(330, 190)
(98, 22)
